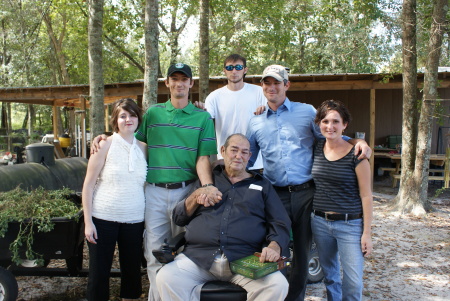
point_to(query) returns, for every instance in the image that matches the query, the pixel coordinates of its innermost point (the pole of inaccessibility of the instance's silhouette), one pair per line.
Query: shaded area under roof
(72, 95)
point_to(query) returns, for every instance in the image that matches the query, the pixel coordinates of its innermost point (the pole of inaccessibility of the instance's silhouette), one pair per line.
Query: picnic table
(439, 160)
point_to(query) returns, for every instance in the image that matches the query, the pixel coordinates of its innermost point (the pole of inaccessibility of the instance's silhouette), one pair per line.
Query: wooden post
(139, 101)
(83, 126)
(372, 130)
(447, 168)
(106, 118)
(55, 122)
(9, 126)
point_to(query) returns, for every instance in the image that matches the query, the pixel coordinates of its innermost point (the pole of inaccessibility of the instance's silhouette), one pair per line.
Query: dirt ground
(410, 261)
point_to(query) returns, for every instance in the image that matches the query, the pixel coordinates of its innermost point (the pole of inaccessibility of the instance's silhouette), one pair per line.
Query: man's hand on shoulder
(259, 110)
(95, 143)
(363, 150)
(200, 105)
(270, 253)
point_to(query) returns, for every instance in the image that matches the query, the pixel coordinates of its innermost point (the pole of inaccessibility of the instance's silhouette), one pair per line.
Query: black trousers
(298, 205)
(129, 239)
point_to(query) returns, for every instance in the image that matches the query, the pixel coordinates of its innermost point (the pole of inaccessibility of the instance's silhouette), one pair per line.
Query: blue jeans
(339, 243)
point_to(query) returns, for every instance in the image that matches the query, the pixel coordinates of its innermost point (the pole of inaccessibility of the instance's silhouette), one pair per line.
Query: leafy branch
(33, 211)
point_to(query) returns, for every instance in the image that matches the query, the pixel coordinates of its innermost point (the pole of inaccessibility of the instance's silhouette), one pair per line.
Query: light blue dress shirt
(285, 138)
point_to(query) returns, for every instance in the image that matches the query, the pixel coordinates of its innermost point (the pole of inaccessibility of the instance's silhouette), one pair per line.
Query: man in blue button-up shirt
(285, 135)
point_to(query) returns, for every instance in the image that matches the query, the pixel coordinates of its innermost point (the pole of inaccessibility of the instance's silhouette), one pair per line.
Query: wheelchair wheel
(315, 273)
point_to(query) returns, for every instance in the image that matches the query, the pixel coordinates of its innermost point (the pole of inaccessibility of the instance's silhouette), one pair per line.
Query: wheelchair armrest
(177, 241)
(169, 249)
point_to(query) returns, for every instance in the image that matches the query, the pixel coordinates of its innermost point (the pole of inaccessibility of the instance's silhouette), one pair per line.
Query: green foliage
(440, 113)
(439, 191)
(424, 21)
(309, 36)
(34, 211)
(306, 35)
(386, 78)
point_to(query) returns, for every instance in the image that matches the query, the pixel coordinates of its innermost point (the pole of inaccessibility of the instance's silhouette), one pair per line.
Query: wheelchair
(223, 290)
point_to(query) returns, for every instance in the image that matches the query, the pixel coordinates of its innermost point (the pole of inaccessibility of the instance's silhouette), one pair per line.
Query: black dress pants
(298, 205)
(129, 238)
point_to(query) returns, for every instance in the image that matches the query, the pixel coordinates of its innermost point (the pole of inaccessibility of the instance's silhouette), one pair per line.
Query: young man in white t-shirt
(233, 105)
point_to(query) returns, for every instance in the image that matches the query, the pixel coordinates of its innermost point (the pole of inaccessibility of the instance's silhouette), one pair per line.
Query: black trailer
(66, 240)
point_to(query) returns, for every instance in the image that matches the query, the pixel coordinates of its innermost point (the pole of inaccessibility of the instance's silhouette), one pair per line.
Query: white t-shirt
(232, 111)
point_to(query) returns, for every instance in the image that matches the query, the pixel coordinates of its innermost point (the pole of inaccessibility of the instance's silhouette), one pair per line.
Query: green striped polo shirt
(175, 138)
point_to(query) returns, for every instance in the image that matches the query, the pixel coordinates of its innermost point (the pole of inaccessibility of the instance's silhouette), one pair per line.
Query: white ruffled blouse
(119, 191)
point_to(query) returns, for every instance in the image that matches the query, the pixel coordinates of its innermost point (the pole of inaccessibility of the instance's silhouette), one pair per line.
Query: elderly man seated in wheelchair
(249, 218)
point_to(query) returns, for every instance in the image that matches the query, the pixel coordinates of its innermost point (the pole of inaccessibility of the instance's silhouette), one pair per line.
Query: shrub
(33, 210)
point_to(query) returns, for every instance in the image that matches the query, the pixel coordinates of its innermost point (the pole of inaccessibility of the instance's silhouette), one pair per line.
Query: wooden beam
(44, 93)
(342, 85)
(52, 93)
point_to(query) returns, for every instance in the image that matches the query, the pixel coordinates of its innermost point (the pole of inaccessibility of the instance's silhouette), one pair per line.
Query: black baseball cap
(180, 67)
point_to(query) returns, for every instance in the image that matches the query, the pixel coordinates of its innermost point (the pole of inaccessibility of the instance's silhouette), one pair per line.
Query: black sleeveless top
(336, 183)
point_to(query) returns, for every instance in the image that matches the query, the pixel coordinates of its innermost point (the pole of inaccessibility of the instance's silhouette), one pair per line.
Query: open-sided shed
(375, 100)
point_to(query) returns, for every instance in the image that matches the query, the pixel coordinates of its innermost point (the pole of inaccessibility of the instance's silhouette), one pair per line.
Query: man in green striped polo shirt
(180, 139)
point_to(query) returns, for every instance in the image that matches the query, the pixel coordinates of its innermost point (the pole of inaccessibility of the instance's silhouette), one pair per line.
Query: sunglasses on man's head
(231, 67)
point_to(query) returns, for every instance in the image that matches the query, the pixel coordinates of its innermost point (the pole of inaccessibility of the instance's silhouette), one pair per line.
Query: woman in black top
(342, 207)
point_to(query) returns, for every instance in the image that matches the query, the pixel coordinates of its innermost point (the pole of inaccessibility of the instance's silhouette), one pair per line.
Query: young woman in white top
(114, 203)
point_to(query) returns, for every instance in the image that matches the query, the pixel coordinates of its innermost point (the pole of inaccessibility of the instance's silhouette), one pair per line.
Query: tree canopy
(44, 42)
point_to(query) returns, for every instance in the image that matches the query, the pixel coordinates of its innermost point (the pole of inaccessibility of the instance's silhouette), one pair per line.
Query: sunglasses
(231, 67)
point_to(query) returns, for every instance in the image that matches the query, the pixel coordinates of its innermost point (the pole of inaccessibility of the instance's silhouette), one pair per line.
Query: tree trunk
(60, 121)
(4, 120)
(412, 197)
(116, 45)
(72, 129)
(204, 50)
(173, 36)
(174, 33)
(430, 96)
(406, 195)
(25, 120)
(96, 85)
(31, 121)
(56, 76)
(57, 46)
(3, 79)
(151, 54)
